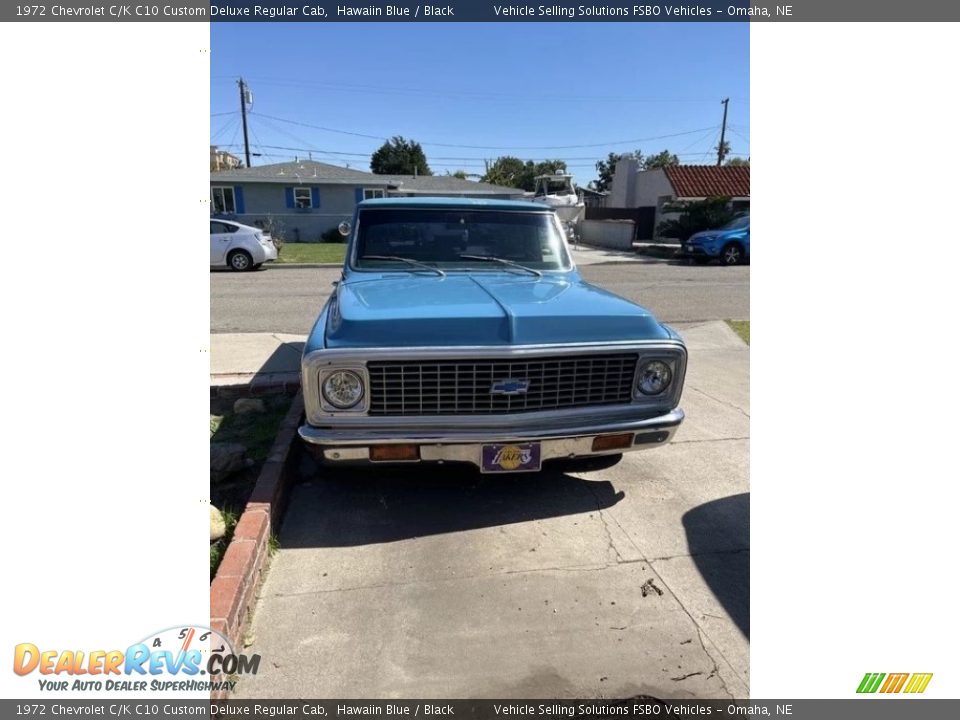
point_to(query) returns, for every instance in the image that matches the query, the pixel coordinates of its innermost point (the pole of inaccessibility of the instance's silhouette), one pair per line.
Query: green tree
(662, 159)
(506, 170)
(695, 215)
(462, 174)
(514, 172)
(738, 162)
(399, 156)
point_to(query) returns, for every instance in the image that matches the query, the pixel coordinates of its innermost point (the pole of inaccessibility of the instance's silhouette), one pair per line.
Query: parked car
(239, 247)
(461, 331)
(729, 244)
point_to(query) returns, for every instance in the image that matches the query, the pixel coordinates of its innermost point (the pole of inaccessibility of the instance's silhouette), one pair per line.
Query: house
(222, 160)
(634, 188)
(447, 186)
(593, 198)
(302, 199)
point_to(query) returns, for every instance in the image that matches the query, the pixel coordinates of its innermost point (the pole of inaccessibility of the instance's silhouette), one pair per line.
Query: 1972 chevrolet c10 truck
(461, 331)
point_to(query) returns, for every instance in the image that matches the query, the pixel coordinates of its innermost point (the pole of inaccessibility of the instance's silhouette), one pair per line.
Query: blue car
(729, 244)
(461, 332)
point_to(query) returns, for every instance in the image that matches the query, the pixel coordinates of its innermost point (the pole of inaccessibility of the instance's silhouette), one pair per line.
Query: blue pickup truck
(461, 332)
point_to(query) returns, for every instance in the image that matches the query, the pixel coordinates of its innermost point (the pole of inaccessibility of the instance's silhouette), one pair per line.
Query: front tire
(240, 261)
(732, 254)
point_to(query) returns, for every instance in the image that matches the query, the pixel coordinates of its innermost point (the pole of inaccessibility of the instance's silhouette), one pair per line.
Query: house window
(372, 193)
(222, 200)
(301, 198)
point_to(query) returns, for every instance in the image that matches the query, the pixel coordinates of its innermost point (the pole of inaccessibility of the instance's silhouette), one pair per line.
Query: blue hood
(480, 309)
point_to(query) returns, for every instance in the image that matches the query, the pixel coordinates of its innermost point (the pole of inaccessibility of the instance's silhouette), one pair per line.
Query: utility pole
(243, 114)
(723, 132)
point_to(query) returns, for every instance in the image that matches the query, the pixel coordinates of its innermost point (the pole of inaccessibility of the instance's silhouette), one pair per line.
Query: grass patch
(312, 253)
(254, 430)
(218, 548)
(741, 328)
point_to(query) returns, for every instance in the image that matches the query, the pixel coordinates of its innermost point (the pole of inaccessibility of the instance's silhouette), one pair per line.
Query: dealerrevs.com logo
(911, 683)
(181, 659)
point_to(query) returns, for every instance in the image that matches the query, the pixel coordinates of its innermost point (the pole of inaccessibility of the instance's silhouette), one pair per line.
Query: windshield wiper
(397, 258)
(502, 261)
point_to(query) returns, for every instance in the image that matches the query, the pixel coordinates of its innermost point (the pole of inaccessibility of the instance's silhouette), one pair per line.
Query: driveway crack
(716, 399)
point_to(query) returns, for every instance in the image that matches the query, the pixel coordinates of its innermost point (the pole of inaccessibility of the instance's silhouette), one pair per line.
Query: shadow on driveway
(712, 530)
(352, 507)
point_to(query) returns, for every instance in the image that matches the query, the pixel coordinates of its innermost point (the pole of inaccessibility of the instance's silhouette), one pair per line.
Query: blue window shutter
(238, 199)
(315, 197)
(358, 195)
(289, 194)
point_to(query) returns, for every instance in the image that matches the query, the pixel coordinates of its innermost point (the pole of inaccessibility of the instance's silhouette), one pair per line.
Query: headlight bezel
(358, 371)
(669, 395)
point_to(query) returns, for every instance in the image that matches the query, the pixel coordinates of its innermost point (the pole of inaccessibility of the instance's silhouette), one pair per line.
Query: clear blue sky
(517, 89)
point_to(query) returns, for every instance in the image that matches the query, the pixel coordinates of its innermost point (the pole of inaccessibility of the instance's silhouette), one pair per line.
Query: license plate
(510, 457)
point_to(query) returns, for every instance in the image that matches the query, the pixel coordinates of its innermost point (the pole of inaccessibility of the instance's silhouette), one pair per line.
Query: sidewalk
(267, 362)
(643, 252)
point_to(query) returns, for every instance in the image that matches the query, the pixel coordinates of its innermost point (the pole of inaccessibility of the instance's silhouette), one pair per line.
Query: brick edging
(232, 590)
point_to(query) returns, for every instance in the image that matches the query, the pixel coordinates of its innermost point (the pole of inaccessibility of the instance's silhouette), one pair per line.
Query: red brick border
(232, 590)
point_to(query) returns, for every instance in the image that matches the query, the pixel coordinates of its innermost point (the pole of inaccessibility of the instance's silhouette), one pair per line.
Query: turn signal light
(394, 452)
(612, 442)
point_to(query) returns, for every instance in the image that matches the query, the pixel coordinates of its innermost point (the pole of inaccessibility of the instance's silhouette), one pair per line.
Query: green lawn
(311, 253)
(741, 328)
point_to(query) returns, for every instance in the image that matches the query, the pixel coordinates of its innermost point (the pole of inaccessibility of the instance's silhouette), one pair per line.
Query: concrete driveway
(447, 584)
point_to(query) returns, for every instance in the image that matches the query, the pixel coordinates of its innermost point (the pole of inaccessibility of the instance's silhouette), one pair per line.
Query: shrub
(276, 230)
(332, 236)
(695, 216)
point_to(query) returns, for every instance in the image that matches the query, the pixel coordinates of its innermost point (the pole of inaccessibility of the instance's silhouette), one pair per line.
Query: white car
(239, 247)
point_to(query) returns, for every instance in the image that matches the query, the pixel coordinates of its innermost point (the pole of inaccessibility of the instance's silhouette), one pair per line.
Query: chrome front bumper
(464, 444)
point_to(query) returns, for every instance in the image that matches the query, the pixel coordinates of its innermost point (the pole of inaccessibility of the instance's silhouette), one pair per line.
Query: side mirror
(344, 228)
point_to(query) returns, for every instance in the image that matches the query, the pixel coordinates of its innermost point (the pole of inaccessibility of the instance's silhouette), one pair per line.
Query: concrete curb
(235, 385)
(232, 590)
(294, 266)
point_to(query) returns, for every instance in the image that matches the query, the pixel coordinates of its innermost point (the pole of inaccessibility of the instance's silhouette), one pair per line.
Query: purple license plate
(510, 457)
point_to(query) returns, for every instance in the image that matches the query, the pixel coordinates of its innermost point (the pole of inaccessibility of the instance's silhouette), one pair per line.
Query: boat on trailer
(559, 192)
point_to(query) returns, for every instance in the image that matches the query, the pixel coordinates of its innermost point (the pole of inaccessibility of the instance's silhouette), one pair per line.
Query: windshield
(738, 223)
(439, 237)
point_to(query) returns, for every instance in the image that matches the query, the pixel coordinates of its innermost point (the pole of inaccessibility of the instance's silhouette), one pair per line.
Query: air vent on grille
(463, 387)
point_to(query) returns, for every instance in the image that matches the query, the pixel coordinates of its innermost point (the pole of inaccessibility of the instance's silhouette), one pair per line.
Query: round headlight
(343, 389)
(655, 377)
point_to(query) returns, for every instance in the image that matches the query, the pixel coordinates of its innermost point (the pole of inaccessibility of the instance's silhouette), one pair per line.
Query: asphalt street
(444, 583)
(287, 300)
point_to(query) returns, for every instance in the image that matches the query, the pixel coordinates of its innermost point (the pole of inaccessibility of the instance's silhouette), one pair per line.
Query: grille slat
(462, 387)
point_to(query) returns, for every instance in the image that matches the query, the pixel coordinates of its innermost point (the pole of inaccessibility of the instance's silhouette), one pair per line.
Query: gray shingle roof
(311, 171)
(305, 171)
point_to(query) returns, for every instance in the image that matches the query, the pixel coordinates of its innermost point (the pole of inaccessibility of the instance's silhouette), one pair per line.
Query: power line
(227, 124)
(450, 92)
(491, 147)
(308, 148)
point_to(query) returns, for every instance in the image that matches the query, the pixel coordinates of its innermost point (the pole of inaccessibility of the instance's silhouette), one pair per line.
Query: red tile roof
(695, 181)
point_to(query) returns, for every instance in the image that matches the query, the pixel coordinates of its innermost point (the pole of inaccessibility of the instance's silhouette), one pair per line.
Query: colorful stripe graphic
(894, 682)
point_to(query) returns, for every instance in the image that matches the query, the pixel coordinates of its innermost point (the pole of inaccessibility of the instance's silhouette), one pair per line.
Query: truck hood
(480, 309)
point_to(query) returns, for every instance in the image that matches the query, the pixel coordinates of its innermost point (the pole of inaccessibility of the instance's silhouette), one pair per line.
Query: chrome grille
(462, 387)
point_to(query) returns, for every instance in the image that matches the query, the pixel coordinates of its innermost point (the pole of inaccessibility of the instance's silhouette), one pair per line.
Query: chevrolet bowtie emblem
(510, 386)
